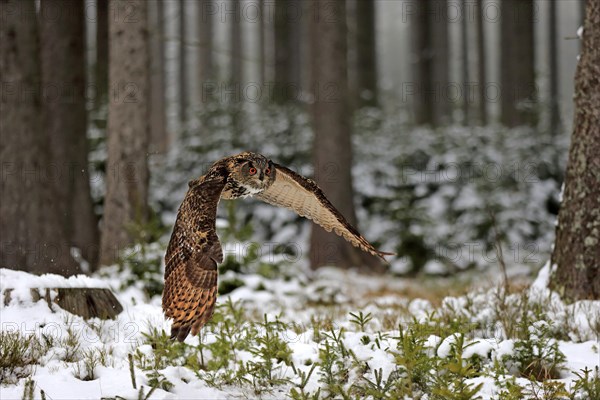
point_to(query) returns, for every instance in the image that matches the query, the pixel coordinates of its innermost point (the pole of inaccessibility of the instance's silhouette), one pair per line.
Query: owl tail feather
(180, 333)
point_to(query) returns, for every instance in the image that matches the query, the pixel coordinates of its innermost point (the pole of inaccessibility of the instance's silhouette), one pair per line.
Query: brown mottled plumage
(194, 249)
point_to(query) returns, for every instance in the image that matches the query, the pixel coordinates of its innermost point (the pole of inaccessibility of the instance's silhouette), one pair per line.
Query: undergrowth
(440, 356)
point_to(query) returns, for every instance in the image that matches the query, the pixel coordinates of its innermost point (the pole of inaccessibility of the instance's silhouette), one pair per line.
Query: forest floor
(329, 334)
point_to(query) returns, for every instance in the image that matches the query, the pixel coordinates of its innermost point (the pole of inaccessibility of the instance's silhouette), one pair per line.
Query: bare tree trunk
(262, 43)
(366, 54)
(431, 65)
(32, 234)
(283, 53)
(351, 54)
(481, 63)
(553, 67)
(64, 119)
(287, 50)
(518, 89)
(294, 17)
(128, 130)
(182, 78)
(333, 148)
(159, 140)
(205, 33)
(464, 44)
(440, 67)
(421, 68)
(101, 52)
(236, 44)
(577, 248)
(305, 48)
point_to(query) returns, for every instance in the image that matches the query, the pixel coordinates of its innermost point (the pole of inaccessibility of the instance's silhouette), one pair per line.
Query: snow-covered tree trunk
(577, 248)
(128, 126)
(32, 234)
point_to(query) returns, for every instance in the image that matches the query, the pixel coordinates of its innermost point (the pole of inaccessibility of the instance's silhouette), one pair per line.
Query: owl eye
(268, 171)
(252, 171)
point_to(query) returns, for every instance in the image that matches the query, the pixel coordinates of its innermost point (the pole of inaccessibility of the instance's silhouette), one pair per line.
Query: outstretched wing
(303, 196)
(191, 260)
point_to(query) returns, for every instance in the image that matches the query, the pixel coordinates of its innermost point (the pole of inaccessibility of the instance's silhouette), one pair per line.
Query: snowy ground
(77, 359)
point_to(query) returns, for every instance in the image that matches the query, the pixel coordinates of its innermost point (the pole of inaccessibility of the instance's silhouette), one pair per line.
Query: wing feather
(191, 260)
(302, 195)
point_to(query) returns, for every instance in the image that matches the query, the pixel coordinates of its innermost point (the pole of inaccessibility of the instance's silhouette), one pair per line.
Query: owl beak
(261, 176)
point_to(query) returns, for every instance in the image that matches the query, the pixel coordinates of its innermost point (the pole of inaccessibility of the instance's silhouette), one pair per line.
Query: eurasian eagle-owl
(194, 250)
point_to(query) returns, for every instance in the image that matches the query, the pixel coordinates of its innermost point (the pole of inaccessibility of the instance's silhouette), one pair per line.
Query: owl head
(253, 171)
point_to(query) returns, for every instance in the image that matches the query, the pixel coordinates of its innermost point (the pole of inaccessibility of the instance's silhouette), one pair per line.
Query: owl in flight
(194, 250)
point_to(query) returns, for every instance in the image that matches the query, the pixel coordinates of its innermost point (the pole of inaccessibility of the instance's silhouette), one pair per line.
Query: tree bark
(440, 75)
(295, 17)
(332, 145)
(518, 89)
(576, 252)
(101, 69)
(430, 68)
(64, 119)
(128, 130)
(366, 54)
(262, 56)
(287, 51)
(236, 44)
(205, 38)
(554, 109)
(481, 63)
(159, 140)
(283, 52)
(32, 234)
(464, 44)
(182, 77)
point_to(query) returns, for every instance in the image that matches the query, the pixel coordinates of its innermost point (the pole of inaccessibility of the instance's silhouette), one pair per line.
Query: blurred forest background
(440, 127)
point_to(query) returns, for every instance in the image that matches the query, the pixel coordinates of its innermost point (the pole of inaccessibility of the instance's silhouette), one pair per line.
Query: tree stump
(85, 302)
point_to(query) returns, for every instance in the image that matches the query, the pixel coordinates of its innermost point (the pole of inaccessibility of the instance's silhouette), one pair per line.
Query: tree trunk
(577, 248)
(517, 79)
(283, 53)
(182, 77)
(440, 76)
(332, 145)
(101, 52)
(464, 44)
(287, 50)
(128, 131)
(64, 119)
(262, 56)
(236, 44)
(159, 140)
(554, 110)
(32, 231)
(431, 65)
(421, 69)
(481, 63)
(366, 54)
(295, 17)
(205, 39)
